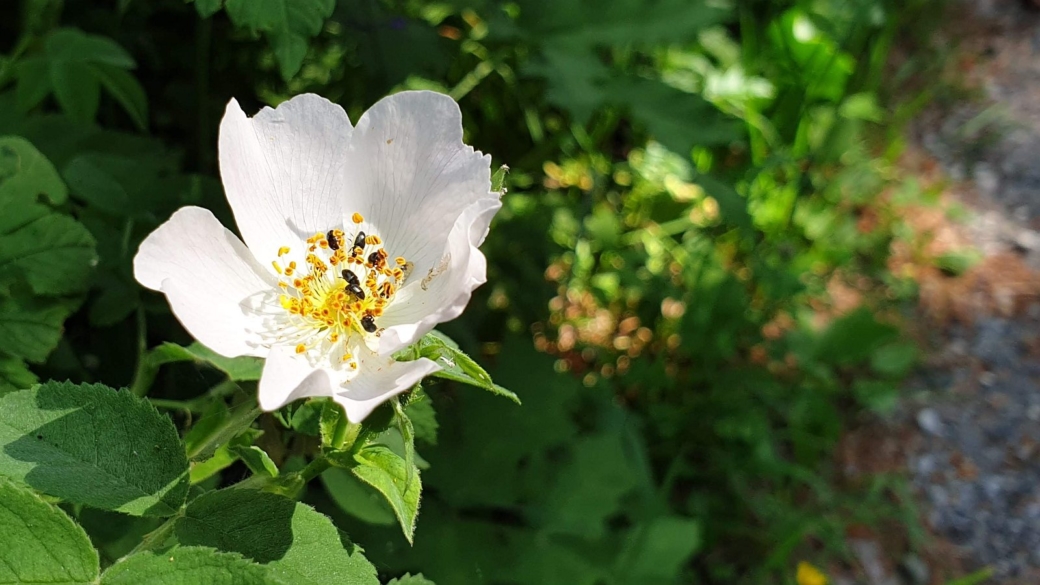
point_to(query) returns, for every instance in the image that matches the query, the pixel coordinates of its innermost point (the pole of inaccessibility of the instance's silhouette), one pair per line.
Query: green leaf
(24, 171)
(880, 396)
(655, 553)
(732, 206)
(219, 426)
(498, 180)
(76, 88)
(299, 545)
(424, 419)
(54, 253)
(288, 25)
(853, 338)
(958, 262)
(409, 579)
(92, 445)
(126, 90)
(88, 181)
(677, 119)
(207, 8)
(455, 364)
(30, 328)
(14, 375)
(240, 369)
(40, 544)
(578, 23)
(69, 44)
(894, 359)
(404, 426)
(33, 82)
(256, 459)
(221, 459)
(591, 485)
(187, 566)
(356, 498)
(384, 470)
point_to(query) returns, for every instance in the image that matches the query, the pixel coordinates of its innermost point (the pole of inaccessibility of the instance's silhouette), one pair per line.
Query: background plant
(687, 289)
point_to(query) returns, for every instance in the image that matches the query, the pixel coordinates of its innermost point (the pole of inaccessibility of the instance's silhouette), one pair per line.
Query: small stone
(987, 379)
(986, 178)
(992, 485)
(926, 465)
(915, 570)
(1033, 412)
(1027, 240)
(930, 422)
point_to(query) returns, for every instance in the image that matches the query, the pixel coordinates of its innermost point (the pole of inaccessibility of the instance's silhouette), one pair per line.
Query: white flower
(358, 241)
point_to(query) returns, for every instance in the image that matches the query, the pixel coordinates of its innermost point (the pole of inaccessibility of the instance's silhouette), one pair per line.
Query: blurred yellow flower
(810, 575)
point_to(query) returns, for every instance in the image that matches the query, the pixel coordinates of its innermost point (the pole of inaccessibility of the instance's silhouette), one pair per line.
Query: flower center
(337, 290)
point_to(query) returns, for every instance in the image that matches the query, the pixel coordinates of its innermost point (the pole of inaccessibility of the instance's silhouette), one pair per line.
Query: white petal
(283, 171)
(209, 278)
(441, 294)
(288, 376)
(379, 378)
(410, 175)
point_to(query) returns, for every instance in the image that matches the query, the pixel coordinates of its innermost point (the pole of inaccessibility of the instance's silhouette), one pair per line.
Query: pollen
(332, 295)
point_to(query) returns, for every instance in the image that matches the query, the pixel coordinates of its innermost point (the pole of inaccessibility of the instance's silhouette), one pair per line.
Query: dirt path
(967, 433)
(974, 456)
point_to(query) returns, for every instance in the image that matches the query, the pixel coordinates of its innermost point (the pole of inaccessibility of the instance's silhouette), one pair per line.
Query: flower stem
(145, 372)
(314, 468)
(346, 433)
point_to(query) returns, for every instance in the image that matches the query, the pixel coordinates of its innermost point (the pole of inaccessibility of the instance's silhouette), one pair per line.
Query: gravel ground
(976, 404)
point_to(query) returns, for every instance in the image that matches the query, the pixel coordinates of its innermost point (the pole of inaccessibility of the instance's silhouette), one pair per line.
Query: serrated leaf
(90, 444)
(384, 470)
(356, 498)
(299, 545)
(580, 23)
(14, 375)
(40, 544)
(30, 328)
(25, 171)
(240, 369)
(288, 25)
(676, 119)
(187, 566)
(456, 365)
(54, 253)
(409, 579)
(219, 426)
(256, 459)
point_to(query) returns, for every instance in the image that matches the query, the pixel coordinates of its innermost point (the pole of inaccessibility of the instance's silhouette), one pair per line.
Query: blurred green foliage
(690, 180)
